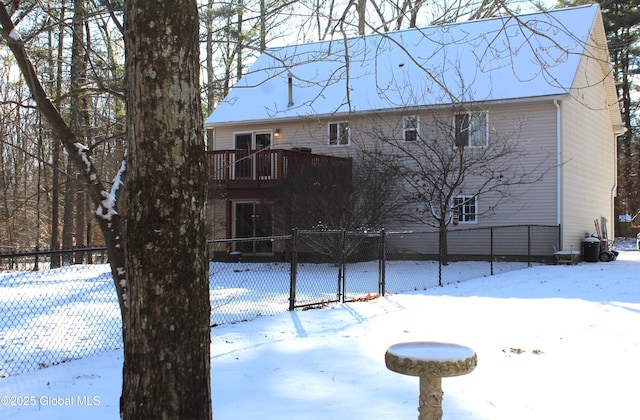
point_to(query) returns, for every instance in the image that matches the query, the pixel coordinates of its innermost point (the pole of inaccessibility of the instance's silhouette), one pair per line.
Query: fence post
(439, 266)
(293, 277)
(341, 270)
(382, 264)
(528, 245)
(36, 261)
(491, 252)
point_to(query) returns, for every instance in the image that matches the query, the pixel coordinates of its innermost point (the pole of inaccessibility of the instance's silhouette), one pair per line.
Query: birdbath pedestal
(431, 362)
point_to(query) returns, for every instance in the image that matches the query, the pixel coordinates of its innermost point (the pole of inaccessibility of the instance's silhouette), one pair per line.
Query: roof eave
(386, 110)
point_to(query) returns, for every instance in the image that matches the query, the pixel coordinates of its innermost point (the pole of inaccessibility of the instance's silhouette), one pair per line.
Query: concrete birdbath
(431, 362)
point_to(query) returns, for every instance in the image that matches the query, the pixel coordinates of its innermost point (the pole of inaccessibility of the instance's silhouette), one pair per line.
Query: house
(542, 78)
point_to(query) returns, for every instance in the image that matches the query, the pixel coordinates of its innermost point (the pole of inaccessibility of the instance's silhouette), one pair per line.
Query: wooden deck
(254, 172)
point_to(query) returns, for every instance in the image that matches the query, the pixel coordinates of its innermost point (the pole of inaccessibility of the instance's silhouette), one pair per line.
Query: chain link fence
(53, 314)
(243, 287)
(471, 253)
(333, 266)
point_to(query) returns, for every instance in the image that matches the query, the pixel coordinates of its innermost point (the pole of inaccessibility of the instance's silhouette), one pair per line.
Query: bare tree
(358, 198)
(235, 32)
(18, 170)
(447, 163)
(77, 80)
(55, 68)
(73, 230)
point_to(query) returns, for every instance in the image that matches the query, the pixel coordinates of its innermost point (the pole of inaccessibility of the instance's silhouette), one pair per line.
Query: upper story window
(471, 129)
(339, 133)
(465, 207)
(410, 127)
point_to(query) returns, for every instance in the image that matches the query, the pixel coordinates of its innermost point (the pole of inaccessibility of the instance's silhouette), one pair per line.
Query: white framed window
(472, 129)
(411, 125)
(253, 140)
(465, 208)
(339, 133)
(247, 164)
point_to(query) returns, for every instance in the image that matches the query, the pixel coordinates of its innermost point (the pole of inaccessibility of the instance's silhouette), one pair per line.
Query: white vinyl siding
(588, 155)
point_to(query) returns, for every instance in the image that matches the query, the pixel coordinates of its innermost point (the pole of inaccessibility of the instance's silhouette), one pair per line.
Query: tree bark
(167, 366)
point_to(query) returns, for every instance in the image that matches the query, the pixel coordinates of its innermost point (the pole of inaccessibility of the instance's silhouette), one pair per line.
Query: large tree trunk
(167, 367)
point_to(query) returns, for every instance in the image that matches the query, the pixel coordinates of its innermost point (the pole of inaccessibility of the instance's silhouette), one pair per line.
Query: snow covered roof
(505, 58)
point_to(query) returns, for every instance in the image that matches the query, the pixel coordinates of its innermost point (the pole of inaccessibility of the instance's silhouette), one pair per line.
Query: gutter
(345, 114)
(614, 187)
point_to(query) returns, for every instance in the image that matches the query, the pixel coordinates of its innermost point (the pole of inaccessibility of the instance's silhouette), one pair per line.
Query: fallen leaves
(517, 350)
(367, 298)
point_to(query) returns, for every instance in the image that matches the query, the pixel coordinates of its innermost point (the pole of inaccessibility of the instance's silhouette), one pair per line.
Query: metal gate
(334, 266)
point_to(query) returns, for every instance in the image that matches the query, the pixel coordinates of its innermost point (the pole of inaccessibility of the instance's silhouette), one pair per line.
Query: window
(339, 133)
(465, 207)
(471, 129)
(256, 140)
(246, 163)
(411, 125)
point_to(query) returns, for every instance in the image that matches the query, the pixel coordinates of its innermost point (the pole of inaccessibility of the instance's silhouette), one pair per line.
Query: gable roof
(527, 56)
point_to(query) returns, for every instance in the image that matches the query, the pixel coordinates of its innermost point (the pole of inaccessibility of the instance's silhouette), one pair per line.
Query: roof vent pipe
(290, 82)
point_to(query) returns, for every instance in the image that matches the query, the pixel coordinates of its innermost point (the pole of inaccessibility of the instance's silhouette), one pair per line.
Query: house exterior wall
(589, 158)
(531, 124)
(586, 165)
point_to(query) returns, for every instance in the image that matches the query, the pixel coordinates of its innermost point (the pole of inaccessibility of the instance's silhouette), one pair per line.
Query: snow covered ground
(51, 316)
(553, 342)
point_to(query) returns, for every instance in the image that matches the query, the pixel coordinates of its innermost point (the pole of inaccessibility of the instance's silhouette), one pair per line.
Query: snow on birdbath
(431, 362)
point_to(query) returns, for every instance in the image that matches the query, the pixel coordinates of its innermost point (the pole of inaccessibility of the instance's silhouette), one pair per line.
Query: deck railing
(257, 169)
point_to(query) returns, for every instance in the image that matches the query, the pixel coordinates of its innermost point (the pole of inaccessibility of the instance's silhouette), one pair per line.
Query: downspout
(558, 172)
(614, 188)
